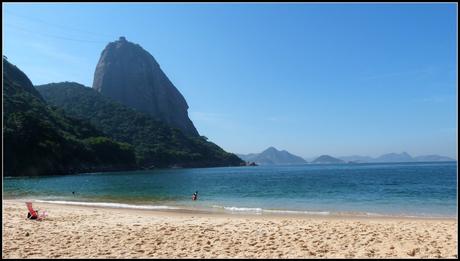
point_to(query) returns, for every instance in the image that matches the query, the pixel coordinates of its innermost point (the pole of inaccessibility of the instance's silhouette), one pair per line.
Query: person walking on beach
(195, 196)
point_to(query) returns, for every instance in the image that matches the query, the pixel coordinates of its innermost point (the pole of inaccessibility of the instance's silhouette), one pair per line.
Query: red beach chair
(33, 214)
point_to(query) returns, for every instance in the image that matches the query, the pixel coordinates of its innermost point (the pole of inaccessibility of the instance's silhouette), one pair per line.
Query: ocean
(392, 189)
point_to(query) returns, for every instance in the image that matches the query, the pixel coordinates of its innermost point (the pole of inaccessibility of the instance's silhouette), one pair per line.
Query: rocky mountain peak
(130, 75)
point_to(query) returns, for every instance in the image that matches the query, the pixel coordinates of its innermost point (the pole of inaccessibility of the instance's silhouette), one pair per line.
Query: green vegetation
(39, 139)
(156, 144)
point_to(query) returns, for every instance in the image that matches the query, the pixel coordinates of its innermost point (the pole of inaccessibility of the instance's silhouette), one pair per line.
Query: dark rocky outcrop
(130, 75)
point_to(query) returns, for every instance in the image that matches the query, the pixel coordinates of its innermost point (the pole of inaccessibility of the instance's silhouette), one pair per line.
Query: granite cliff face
(130, 75)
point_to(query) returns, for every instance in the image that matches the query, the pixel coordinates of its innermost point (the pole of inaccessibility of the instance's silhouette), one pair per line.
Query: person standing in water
(195, 196)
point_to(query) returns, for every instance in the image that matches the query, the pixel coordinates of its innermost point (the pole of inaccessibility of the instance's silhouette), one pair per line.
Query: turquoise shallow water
(402, 189)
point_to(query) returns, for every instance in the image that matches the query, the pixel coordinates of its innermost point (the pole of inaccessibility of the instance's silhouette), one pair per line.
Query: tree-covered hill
(156, 144)
(40, 140)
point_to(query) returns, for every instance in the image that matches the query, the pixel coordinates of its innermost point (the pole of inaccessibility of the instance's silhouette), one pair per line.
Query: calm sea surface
(400, 189)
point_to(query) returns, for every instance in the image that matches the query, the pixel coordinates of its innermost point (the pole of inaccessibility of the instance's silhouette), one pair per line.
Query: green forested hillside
(155, 143)
(40, 140)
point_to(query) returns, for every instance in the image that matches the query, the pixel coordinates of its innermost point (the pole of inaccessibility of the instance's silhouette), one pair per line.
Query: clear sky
(337, 79)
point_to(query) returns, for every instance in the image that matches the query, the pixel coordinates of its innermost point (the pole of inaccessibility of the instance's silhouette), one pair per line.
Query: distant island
(395, 157)
(326, 159)
(272, 156)
(385, 158)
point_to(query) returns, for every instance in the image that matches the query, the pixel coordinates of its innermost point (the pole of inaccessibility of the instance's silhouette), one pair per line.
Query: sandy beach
(89, 232)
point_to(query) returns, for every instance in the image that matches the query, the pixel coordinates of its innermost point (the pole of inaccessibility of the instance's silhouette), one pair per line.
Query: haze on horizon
(312, 79)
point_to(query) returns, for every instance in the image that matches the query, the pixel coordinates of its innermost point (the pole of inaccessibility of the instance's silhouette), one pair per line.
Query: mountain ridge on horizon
(396, 157)
(387, 157)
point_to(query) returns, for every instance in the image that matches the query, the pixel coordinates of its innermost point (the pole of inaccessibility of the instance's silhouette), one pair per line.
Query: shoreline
(99, 232)
(219, 212)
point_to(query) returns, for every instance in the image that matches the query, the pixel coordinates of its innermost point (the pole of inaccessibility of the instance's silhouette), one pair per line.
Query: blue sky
(337, 79)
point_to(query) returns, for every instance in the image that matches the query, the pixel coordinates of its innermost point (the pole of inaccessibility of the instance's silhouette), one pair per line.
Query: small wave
(244, 209)
(261, 210)
(110, 205)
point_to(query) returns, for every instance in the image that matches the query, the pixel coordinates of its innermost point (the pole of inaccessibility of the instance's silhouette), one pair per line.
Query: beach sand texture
(88, 232)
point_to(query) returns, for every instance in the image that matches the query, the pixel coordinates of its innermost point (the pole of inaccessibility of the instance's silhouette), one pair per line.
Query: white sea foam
(275, 211)
(110, 205)
(243, 209)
